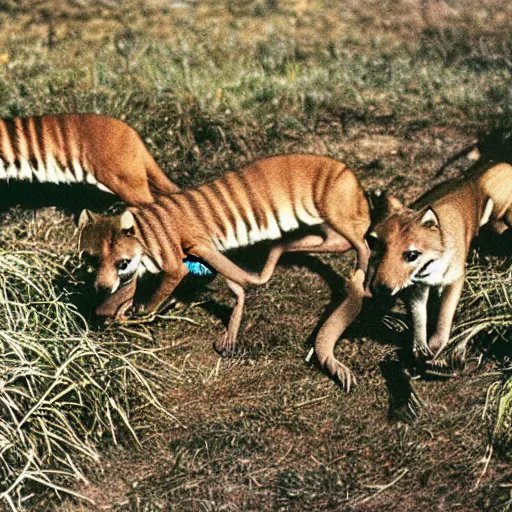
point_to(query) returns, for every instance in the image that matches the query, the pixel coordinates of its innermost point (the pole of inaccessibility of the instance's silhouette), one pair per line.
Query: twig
(381, 488)
(309, 402)
(487, 458)
(142, 335)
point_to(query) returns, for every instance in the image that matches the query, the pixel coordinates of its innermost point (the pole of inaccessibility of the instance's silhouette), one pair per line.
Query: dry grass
(63, 391)
(485, 326)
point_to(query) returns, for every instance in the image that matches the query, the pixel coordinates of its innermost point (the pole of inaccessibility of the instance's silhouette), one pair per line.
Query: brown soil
(267, 431)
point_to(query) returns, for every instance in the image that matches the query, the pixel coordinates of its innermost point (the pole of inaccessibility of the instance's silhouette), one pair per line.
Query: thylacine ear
(429, 218)
(382, 205)
(127, 222)
(393, 204)
(87, 217)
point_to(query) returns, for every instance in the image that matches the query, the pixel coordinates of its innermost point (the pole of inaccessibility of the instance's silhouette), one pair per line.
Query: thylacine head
(407, 248)
(113, 250)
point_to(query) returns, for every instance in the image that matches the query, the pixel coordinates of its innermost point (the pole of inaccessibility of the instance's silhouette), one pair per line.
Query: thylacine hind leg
(347, 213)
(354, 234)
(159, 183)
(226, 345)
(133, 192)
(333, 242)
(346, 313)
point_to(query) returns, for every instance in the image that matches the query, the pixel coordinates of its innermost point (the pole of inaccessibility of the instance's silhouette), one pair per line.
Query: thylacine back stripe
(255, 201)
(68, 150)
(161, 217)
(36, 158)
(236, 194)
(40, 137)
(161, 226)
(146, 233)
(24, 151)
(198, 207)
(190, 203)
(270, 197)
(222, 222)
(217, 219)
(11, 139)
(56, 140)
(7, 151)
(319, 188)
(74, 147)
(236, 228)
(230, 218)
(240, 191)
(25, 139)
(151, 232)
(20, 145)
(3, 152)
(79, 158)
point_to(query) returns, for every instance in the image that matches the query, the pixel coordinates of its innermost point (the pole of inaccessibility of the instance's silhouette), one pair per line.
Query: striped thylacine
(301, 202)
(81, 148)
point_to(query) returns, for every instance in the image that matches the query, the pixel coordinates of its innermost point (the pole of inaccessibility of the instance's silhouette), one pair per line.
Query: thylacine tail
(463, 152)
(158, 182)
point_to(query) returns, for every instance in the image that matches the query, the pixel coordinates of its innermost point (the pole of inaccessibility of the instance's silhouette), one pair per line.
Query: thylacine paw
(421, 351)
(458, 357)
(440, 366)
(226, 346)
(341, 373)
(136, 319)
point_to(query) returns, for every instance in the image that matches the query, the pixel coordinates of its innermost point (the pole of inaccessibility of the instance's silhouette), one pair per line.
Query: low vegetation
(63, 390)
(392, 88)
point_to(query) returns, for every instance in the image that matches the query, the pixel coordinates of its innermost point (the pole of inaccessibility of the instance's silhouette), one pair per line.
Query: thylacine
(495, 146)
(81, 148)
(425, 247)
(303, 202)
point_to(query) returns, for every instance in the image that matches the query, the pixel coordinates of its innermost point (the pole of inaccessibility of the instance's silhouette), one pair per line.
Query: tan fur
(437, 232)
(81, 148)
(301, 202)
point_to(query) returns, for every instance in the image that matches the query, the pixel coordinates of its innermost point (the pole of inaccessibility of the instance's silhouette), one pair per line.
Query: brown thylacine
(425, 246)
(81, 148)
(302, 202)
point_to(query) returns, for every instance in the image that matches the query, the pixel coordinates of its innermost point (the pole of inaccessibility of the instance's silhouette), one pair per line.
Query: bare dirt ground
(267, 431)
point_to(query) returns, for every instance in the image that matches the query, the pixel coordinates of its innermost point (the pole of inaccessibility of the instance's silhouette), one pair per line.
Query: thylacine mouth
(422, 272)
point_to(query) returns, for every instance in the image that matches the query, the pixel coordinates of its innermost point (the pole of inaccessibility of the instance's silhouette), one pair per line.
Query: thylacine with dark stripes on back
(81, 148)
(316, 199)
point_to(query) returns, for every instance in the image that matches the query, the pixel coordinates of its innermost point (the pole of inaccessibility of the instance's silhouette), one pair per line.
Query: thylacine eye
(123, 264)
(410, 256)
(91, 262)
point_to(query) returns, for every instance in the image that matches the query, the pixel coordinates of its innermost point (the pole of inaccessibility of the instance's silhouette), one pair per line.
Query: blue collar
(198, 267)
